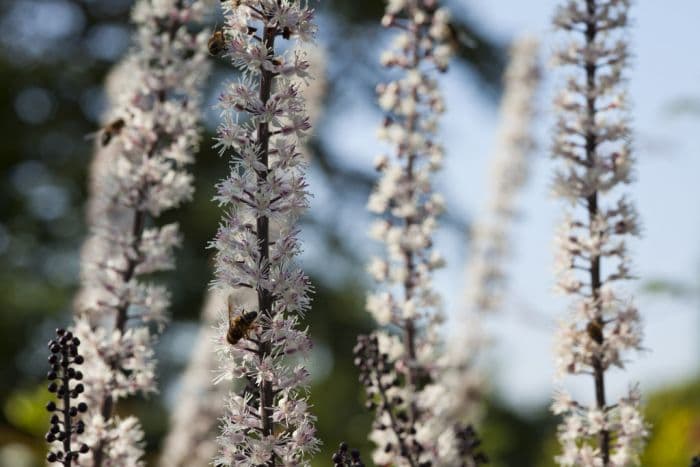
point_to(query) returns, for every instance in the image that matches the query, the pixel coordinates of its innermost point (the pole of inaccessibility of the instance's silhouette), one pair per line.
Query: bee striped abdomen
(111, 130)
(217, 43)
(239, 326)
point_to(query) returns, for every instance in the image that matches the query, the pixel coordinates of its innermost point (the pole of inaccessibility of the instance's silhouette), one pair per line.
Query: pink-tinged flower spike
(267, 422)
(195, 418)
(139, 172)
(399, 371)
(592, 144)
(462, 379)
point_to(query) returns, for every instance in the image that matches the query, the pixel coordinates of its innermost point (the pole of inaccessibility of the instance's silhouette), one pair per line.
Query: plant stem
(66, 413)
(386, 404)
(265, 298)
(107, 407)
(410, 327)
(592, 204)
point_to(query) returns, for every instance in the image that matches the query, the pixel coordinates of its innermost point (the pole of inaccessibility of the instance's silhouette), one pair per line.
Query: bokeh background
(54, 55)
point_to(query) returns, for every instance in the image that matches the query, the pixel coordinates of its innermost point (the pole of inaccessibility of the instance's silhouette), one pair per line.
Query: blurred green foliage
(674, 415)
(25, 410)
(673, 288)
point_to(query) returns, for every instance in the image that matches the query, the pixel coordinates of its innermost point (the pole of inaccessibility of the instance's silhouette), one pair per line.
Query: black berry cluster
(469, 446)
(375, 369)
(695, 462)
(65, 422)
(378, 376)
(345, 457)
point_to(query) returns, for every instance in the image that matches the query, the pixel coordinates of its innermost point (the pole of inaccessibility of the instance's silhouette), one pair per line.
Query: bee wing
(91, 136)
(460, 37)
(231, 306)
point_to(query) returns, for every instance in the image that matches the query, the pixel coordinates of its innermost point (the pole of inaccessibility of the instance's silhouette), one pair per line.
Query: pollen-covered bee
(217, 43)
(239, 326)
(111, 130)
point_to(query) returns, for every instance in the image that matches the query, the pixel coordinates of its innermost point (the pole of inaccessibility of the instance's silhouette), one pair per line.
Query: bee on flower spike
(217, 43)
(238, 326)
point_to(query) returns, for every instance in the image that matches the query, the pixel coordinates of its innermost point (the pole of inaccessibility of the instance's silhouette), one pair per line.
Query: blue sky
(664, 72)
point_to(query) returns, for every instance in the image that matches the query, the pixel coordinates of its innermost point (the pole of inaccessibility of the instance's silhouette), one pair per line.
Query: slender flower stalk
(593, 145)
(268, 421)
(66, 426)
(398, 370)
(485, 272)
(509, 173)
(139, 172)
(200, 403)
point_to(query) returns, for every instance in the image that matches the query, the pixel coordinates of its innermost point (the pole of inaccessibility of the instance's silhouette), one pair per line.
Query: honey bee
(595, 331)
(111, 130)
(239, 326)
(217, 43)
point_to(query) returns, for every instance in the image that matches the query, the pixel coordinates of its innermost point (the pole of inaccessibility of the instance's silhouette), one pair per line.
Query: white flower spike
(593, 146)
(266, 422)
